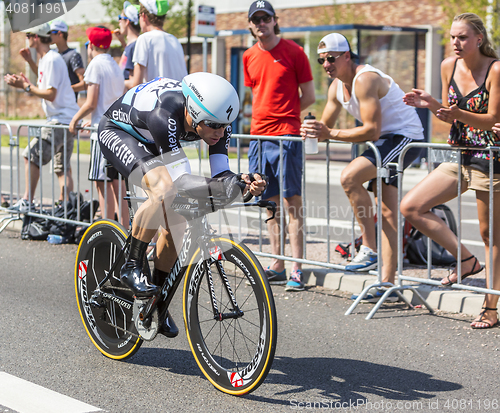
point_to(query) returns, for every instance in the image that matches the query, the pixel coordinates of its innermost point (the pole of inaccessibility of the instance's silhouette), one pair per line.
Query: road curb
(464, 302)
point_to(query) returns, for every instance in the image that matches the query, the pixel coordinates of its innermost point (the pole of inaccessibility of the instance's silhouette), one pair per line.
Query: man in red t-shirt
(279, 73)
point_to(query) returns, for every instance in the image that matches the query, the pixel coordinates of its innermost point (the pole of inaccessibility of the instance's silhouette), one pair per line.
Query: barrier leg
(363, 294)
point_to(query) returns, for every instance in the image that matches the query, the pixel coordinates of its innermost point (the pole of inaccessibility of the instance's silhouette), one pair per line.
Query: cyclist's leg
(167, 245)
(140, 165)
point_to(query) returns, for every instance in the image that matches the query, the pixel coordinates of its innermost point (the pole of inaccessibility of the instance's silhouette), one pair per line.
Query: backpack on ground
(416, 249)
(69, 230)
(34, 228)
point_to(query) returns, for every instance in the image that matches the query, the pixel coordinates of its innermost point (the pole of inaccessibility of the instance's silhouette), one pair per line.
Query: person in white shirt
(59, 105)
(105, 84)
(376, 101)
(157, 53)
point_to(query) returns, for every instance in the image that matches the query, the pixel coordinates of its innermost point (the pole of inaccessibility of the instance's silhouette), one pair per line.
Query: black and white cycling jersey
(153, 114)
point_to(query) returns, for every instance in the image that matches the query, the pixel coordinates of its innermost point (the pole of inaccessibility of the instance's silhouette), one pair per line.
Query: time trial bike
(228, 306)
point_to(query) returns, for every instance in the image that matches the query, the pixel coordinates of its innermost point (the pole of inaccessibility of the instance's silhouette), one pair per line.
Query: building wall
(233, 16)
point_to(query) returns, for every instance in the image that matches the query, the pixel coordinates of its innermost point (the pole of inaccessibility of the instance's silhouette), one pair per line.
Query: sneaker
(22, 206)
(276, 278)
(364, 260)
(295, 283)
(374, 295)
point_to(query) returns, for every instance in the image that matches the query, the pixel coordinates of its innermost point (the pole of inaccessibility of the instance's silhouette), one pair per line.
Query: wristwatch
(27, 89)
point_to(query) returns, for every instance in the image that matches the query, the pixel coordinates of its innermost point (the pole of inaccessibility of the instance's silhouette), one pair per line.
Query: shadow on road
(332, 380)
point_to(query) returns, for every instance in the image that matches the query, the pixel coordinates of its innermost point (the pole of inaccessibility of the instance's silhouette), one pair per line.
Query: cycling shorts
(125, 152)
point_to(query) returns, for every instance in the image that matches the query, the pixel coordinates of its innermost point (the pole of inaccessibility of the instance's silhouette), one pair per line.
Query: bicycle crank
(146, 327)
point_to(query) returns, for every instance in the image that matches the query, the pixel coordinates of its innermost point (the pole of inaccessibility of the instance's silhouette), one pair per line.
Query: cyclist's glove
(226, 187)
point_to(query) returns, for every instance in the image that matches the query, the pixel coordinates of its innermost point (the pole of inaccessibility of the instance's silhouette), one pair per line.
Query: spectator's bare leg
(121, 204)
(107, 206)
(359, 171)
(436, 188)
(68, 179)
(30, 172)
(389, 231)
(295, 228)
(274, 229)
(490, 300)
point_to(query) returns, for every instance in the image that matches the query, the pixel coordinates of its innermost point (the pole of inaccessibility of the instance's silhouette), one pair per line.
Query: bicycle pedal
(147, 325)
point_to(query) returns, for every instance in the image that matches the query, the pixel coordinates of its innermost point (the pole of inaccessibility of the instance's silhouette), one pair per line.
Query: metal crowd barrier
(454, 152)
(35, 130)
(382, 172)
(17, 173)
(17, 169)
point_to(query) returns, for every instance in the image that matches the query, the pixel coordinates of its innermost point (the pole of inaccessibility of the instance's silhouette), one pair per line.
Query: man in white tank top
(376, 101)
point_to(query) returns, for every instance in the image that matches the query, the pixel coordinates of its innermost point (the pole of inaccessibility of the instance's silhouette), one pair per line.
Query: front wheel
(234, 352)
(108, 314)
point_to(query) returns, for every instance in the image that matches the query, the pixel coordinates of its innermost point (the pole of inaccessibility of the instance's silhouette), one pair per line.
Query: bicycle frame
(197, 235)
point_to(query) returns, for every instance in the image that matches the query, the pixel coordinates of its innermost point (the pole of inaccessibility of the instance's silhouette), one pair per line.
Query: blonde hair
(475, 22)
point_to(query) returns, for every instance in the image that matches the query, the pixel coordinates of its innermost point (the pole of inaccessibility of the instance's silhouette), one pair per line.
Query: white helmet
(210, 98)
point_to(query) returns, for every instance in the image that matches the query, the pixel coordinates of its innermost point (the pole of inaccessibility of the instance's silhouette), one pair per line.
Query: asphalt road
(401, 360)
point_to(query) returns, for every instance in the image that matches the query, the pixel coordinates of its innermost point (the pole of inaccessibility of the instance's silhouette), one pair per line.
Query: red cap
(99, 37)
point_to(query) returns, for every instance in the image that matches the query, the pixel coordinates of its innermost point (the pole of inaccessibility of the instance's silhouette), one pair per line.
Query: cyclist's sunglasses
(54, 31)
(329, 59)
(266, 18)
(120, 17)
(30, 35)
(215, 125)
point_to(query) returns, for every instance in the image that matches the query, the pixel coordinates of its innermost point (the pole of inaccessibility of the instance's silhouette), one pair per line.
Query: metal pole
(205, 42)
(188, 45)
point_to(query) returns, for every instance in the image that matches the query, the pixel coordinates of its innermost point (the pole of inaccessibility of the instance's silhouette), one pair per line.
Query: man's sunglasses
(215, 125)
(266, 18)
(54, 31)
(329, 59)
(30, 35)
(120, 17)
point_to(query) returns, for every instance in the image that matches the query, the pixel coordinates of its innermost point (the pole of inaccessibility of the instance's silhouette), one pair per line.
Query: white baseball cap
(131, 11)
(335, 42)
(42, 30)
(156, 7)
(59, 25)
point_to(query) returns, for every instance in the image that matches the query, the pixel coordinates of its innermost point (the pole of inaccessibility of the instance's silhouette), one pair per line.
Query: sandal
(464, 276)
(482, 319)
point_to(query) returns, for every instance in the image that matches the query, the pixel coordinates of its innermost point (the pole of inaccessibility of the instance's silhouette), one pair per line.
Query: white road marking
(25, 397)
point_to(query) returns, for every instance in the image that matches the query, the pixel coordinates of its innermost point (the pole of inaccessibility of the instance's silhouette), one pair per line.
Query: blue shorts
(270, 165)
(390, 146)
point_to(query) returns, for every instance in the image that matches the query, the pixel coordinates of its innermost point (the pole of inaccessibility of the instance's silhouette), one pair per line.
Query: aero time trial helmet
(210, 98)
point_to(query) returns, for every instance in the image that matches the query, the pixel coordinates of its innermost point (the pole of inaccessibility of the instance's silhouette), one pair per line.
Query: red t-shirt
(274, 77)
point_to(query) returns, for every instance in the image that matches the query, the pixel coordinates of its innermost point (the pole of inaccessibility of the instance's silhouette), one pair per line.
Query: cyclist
(140, 136)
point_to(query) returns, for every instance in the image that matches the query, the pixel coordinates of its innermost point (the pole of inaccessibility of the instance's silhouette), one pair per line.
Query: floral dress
(465, 135)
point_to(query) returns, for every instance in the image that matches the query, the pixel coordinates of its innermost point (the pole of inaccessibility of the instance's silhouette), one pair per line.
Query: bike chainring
(149, 329)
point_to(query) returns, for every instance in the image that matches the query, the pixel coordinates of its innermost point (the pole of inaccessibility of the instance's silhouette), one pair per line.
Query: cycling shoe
(168, 328)
(132, 276)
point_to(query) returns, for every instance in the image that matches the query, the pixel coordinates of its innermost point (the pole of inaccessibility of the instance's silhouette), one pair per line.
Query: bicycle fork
(208, 256)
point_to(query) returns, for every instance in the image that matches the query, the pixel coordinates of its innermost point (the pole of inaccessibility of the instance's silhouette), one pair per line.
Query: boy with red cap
(105, 84)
